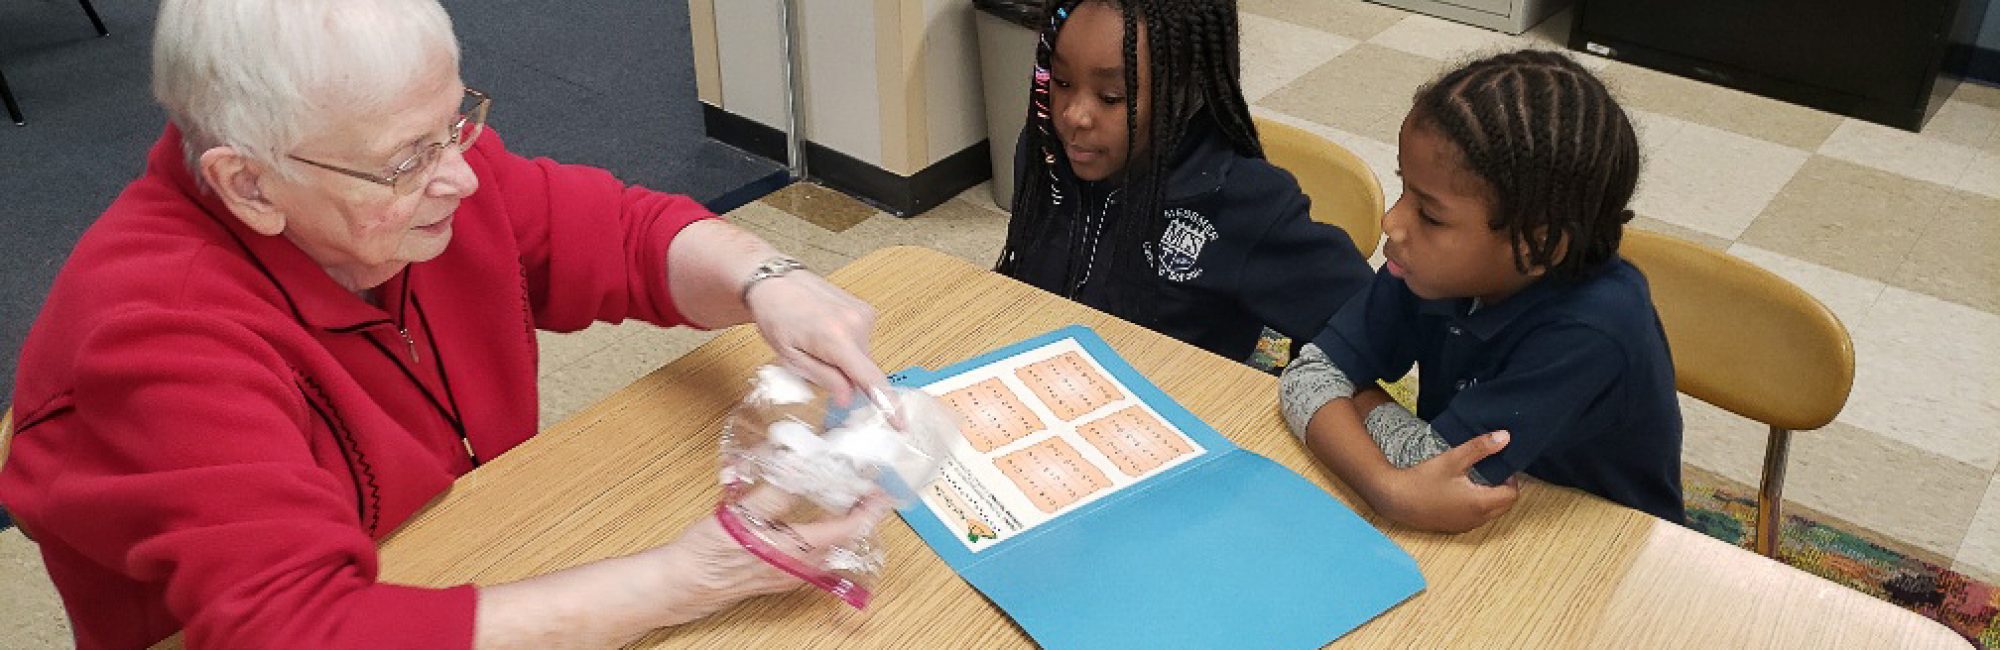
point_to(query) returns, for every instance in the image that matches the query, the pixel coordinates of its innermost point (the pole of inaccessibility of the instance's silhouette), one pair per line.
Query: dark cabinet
(1878, 60)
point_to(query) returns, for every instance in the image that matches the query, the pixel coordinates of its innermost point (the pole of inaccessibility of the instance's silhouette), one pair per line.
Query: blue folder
(1228, 550)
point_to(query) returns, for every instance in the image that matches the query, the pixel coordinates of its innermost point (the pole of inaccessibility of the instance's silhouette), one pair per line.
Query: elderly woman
(317, 308)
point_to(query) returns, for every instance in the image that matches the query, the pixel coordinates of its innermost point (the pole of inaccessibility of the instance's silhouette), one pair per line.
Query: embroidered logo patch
(1180, 245)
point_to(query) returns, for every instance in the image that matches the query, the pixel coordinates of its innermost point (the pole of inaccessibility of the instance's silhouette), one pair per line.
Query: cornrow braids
(1193, 62)
(1552, 143)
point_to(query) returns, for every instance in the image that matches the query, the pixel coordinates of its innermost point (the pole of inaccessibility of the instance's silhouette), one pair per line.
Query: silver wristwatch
(771, 268)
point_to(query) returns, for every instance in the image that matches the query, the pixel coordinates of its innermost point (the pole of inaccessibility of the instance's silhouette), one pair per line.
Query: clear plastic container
(823, 460)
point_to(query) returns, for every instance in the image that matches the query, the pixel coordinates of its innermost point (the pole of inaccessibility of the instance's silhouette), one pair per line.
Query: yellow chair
(1344, 191)
(6, 435)
(6, 442)
(1751, 343)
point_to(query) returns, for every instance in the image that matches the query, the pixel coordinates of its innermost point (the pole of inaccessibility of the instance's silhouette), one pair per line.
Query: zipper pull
(410, 343)
(468, 450)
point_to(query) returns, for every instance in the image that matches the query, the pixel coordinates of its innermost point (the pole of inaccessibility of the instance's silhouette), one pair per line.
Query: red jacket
(212, 434)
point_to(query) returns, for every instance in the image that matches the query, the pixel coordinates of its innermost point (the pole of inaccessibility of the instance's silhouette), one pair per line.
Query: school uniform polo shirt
(1238, 251)
(1578, 372)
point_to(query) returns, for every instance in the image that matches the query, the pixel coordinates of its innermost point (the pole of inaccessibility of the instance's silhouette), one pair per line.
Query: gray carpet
(599, 82)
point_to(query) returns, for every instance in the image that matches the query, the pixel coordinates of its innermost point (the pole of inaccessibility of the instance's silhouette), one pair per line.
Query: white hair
(260, 75)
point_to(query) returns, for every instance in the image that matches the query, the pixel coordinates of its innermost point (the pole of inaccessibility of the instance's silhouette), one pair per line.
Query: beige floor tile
(1848, 217)
(1849, 296)
(956, 227)
(1857, 476)
(1868, 479)
(1955, 258)
(1978, 93)
(1925, 372)
(559, 349)
(1979, 556)
(1350, 18)
(589, 379)
(1721, 442)
(1706, 240)
(1655, 131)
(1444, 40)
(1712, 180)
(1275, 52)
(970, 233)
(1983, 177)
(1365, 91)
(819, 260)
(982, 195)
(1380, 156)
(1966, 123)
(1898, 151)
(34, 614)
(1730, 110)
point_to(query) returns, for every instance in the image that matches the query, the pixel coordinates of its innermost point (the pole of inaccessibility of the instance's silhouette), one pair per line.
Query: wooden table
(1563, 570)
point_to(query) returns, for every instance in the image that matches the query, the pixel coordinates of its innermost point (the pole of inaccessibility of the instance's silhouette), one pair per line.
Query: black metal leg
(13, 109)
(94, 20)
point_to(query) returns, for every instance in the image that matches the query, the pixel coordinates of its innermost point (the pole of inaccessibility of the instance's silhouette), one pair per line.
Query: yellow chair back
(1751, 343)
(1344, 191)
(6, 435)
(1743, 338)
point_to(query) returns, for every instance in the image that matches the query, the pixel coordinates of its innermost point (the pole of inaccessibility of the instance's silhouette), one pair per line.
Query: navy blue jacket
(1577, 372)
(1239, 252)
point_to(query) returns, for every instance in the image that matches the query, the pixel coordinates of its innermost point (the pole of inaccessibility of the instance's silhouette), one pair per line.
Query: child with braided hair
(1539, 346)
(1141, 188)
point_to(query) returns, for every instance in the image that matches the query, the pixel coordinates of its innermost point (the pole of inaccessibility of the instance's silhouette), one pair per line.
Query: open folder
(1099, 513)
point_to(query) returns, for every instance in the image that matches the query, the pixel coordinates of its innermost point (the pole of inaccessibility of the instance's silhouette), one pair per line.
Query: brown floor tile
(1356, 20)
(784, 229)
(1704, 239)
(1730, 110)
(820, 206)
(1848, 217)
(1365, 91)
(1955, 258)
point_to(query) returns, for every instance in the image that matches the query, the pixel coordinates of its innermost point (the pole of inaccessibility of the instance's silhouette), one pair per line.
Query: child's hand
(1437, 495)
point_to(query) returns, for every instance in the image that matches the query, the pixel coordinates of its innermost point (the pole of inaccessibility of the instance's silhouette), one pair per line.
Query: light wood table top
(1563, 570)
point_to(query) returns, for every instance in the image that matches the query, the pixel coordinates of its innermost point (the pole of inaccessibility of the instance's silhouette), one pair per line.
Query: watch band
(770, 268)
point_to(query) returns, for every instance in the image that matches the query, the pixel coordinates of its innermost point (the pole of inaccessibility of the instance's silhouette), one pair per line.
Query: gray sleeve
(1406, 439)
(1309, 382)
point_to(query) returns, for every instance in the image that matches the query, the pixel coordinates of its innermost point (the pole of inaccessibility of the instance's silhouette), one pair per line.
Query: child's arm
(1398, 465)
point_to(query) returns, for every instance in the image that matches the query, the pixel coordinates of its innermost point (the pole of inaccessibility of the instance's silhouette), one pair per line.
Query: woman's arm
(614, 602)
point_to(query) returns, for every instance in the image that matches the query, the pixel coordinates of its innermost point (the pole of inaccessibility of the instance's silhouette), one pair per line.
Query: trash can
(1007, 31)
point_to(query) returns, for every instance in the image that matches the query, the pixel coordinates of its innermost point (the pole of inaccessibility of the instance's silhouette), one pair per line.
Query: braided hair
(1554, 146)
(1191, 47)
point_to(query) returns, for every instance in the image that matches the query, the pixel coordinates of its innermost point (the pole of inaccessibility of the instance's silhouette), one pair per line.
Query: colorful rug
(1727, 510)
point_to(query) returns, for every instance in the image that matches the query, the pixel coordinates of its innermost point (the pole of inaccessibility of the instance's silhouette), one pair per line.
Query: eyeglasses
(406, 176)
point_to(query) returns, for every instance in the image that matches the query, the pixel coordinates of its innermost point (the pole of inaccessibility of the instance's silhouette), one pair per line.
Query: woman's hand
(717, 572)
(820, 331)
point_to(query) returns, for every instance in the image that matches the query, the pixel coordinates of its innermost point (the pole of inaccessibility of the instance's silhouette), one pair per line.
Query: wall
(892, 83)
(1989, 33)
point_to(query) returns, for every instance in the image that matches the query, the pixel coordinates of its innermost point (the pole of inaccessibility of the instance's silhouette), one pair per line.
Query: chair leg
(1771, 495)
(13, 109)
(94, 20)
